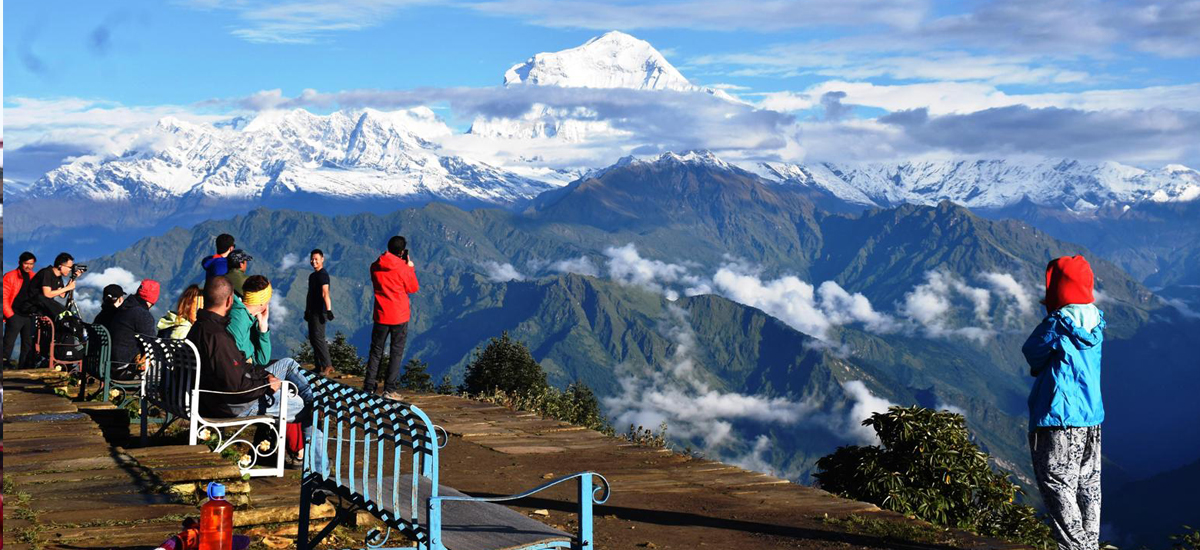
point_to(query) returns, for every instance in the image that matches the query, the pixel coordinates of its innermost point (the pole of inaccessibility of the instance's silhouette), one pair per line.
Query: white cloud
(289, 261)
(502, 272)
(279, 310)
(305, 21)
(581, 265)
(1182, 307)
(1005, 284)
(110, 276)
(677, 394)
(945, 406)
(944, 304)
(626, 266)
(864, 405)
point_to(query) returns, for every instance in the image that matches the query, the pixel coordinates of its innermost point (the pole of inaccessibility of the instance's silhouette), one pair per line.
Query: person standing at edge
(318, 309)
(393, 279)
(218, 264)
(1065, 408)
(18, 323)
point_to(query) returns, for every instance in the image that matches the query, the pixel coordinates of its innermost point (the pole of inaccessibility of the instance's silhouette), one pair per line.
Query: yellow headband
(258, 298)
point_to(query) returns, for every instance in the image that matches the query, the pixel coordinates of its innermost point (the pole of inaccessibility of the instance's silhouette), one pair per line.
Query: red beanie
(1069, 280)
(148, 291)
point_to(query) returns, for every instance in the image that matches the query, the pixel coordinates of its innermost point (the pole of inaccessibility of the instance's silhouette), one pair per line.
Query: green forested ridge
(584, 328)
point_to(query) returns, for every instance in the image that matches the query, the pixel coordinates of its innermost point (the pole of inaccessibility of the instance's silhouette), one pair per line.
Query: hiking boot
(327, 371)
(293, 461)
(393, 395)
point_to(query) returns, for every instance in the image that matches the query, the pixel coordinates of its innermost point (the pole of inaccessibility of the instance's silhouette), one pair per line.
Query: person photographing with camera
(48, 295)
(393, 279)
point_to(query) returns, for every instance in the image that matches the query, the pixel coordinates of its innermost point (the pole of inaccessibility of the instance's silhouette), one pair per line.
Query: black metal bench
(98, 365)
(383, 459)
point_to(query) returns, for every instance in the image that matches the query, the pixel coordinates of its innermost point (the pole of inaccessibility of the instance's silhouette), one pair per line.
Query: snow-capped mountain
(1073, 185)
(612, 60)
(356, 155)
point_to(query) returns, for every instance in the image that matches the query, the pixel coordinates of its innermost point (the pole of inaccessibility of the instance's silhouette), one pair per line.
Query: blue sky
(79, 72)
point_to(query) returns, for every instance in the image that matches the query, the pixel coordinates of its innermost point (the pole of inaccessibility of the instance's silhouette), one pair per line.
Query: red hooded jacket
(393, 280)
(13, 281)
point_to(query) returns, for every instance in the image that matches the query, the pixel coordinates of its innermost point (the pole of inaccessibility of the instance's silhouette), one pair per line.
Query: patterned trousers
(1067, 464)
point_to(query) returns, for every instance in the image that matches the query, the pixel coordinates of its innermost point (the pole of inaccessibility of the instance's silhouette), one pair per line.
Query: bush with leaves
(1188, 540)
(505, 365)
(928, 467)
(342, 354)
(416, 377)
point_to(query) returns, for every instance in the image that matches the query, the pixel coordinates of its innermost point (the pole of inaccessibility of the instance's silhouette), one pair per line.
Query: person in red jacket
(17, 323)
(394, 279)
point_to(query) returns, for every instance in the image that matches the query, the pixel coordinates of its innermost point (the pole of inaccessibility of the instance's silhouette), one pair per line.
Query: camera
(80, 269)
(404, 254)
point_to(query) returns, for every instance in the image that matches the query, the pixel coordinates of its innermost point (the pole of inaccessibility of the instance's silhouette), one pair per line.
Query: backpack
(70, 338)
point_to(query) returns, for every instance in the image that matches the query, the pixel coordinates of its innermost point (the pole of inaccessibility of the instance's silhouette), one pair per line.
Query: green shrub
(342, 354)
(1189, 540)
(416, 377)
(928, 467)
(445, 387)
(505, 365)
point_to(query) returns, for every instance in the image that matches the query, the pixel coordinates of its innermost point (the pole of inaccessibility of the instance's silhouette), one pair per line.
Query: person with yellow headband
(249, 324)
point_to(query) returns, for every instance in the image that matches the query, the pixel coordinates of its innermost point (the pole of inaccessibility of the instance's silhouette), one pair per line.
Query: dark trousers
(379, 335)
(19, 325)
(316, 339)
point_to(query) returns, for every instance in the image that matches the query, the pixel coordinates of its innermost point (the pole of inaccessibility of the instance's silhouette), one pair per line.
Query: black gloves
(328, 315)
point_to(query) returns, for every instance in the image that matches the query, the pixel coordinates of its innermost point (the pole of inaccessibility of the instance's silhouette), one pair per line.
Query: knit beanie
(1069, 280)
(148, 291)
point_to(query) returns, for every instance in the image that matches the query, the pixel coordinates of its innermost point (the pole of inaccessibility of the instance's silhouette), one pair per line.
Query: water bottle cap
(216, 490)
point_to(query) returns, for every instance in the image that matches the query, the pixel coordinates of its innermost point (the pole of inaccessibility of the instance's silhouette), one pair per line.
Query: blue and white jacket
(1064, 355)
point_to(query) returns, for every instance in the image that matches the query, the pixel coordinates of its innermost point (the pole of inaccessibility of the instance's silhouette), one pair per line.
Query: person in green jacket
(249, 324)
(238, 262)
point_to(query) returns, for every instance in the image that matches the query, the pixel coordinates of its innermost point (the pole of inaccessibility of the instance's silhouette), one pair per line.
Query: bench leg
(145, 428)
(435, 525)
(585, 512)
(305, 504)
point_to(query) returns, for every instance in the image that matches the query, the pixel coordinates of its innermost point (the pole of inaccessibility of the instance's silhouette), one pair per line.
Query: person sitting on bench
(225, 368)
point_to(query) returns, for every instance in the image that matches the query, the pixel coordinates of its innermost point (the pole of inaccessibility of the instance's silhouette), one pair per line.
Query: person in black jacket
(224, 368)
(133, 317)
(111, 300)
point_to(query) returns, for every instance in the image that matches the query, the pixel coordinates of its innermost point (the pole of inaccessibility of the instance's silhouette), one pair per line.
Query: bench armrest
(284, 386)
(602, 486)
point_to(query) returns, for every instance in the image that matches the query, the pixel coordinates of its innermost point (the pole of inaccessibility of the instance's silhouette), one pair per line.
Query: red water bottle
(216, 520)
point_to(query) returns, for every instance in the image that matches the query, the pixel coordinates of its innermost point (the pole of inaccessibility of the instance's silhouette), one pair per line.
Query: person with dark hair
(42, 296)
(133, 317)
(238, 261)
(18, 323)
(318, 310)
(177, 323)
(110, 299)
(393, 279)
(249, 325)
(1065, 407)
(217, 264)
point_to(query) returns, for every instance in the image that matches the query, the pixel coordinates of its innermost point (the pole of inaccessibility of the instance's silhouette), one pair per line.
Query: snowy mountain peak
(1062, 183)
(612, 60)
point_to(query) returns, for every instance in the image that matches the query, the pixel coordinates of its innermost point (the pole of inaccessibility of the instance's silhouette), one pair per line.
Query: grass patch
(891, 529)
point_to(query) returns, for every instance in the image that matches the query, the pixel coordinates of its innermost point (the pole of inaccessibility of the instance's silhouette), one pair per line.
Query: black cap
(238, 256)
(112, 292)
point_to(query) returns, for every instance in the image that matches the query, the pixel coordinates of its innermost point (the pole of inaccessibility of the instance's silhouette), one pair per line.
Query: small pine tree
(445, 387)
(415, 377)
(505, 365)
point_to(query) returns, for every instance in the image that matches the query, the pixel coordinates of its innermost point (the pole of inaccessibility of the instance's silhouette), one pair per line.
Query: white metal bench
(171, 384)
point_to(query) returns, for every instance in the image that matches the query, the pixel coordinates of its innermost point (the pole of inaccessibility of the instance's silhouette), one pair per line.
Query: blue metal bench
(383, 459)
(97, 364)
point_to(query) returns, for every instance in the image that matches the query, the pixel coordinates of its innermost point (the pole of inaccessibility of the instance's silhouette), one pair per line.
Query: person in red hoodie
(393, 278)
(17, 323)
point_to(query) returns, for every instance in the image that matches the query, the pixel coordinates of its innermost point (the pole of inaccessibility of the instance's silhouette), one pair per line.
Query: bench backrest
(172, 374)
(380, 451)
(99, 350)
